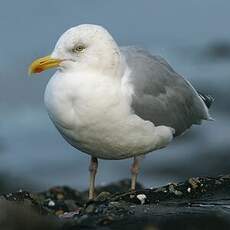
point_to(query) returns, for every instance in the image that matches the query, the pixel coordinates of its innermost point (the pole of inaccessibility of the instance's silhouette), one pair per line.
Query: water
(33, 153)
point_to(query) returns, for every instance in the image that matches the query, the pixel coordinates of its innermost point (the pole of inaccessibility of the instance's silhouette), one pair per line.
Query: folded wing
(160, 94)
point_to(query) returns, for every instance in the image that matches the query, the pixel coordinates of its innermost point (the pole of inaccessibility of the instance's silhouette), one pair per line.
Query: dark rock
(198, 203)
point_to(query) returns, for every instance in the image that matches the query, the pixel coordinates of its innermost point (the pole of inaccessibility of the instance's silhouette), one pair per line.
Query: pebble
(59, 212)
(173, 190)
(60, 196)
(194, 182)
(51, 203)
(141, 198)
(69, 215)
(115, 204)
(103, 196)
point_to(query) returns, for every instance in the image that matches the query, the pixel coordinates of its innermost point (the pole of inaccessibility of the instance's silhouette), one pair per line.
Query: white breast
(93, 114)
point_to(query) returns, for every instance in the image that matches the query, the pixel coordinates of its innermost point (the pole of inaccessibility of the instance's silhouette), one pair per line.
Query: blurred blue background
(194, 37)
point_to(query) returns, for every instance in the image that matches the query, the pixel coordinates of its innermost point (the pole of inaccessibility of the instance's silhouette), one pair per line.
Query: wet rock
(203, 203)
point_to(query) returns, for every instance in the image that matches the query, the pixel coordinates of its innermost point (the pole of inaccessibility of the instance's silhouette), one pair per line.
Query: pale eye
(78, 48)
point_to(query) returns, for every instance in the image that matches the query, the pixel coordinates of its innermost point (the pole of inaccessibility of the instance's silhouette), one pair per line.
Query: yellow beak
(42, 64)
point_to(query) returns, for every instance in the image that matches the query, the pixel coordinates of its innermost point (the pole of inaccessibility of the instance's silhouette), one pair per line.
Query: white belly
(96, 118)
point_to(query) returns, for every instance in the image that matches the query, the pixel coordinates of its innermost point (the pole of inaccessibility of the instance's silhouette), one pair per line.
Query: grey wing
(160, 94)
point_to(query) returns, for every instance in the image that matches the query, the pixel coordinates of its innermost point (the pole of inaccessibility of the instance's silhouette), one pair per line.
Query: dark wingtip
(208, 99)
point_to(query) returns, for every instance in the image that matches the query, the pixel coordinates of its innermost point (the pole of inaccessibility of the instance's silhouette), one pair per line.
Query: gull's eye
(78, 48)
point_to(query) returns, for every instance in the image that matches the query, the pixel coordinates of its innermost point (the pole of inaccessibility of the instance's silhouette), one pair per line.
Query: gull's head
(84, 46)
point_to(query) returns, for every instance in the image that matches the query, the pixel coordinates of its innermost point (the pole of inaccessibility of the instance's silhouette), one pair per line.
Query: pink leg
(134, 172)
(93, 170)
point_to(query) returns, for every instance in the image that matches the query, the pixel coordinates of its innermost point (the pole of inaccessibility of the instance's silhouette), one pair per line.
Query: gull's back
(160, 94)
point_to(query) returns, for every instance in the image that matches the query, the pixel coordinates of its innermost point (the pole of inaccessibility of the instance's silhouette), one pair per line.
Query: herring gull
(116, 102)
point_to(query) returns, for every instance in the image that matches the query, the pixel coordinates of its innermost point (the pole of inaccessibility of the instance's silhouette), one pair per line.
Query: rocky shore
(197, 203)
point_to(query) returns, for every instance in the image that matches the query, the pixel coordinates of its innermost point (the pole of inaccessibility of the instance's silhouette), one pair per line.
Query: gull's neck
(111, 62)
(114, 62)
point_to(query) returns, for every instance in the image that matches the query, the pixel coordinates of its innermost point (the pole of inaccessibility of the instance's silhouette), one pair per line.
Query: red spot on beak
(38, 70)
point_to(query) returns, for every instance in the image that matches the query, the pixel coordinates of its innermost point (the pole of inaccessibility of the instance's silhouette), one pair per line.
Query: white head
(84, 46)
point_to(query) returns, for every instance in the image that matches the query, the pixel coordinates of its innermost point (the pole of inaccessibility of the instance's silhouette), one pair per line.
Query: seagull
(116, 102)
